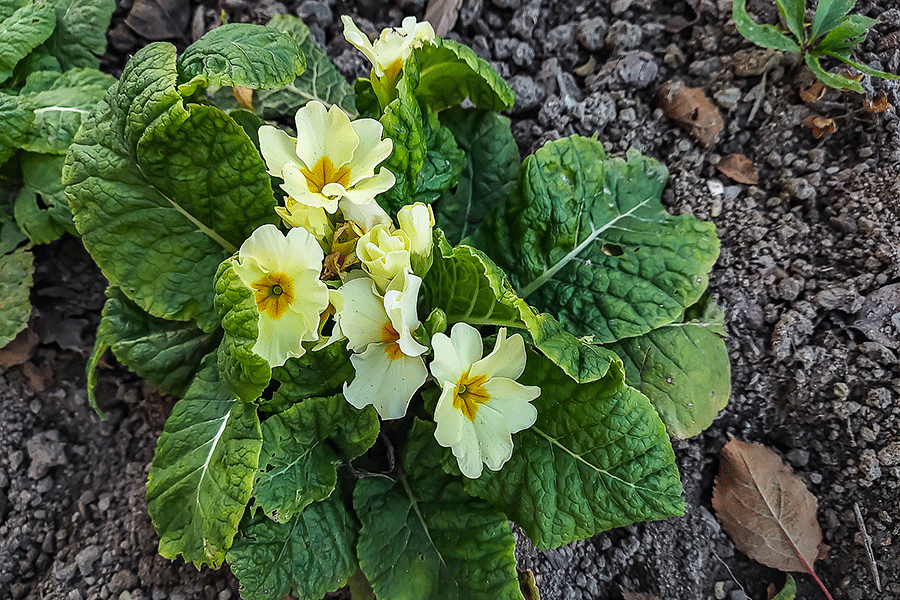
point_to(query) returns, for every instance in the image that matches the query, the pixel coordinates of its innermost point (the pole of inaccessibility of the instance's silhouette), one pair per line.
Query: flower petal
(366, 216)
(400, 306)
(467, 454)
(296, 186)
(265, 245)
(362, 43)
(507, 359)
(280, 340)
(450, 420)
(454, 355)
(278, 149)
(494, 440)
(363, 315)
(511, 400)
(386, 383)
(365, 190)
(371, 151)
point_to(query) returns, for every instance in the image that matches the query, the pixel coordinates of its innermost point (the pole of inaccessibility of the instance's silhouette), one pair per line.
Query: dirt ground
(808, 278)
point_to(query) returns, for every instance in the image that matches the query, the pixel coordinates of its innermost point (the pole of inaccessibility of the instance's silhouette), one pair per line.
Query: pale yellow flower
(392, 46)
(417, 222)
(314, 219)
(384, 254)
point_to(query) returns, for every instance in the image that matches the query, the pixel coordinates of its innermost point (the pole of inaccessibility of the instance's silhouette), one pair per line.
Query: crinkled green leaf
(450, 72)
(789, 591)
(298, 463)
(827, 16)
(849, 33)
(17, 115)
(100, 348)
(163, 191)
(767, 36)
(243, 54)
(16, 271)
(488, 176)
(22, 32)
(42, 186)
(311, 555)
(80, 35)
(60, 102)
(424, 537)
(9, 7)
(320, 373)
(10, 234)
(794, 13)
(202, 471)
(834, 80)
(586, 238)
(403, 123)
(682, 368)
(320, 81)
(246, 372)
(166, 353)
(444, 161)
(598, 457)
(580, 358)
(840, 55)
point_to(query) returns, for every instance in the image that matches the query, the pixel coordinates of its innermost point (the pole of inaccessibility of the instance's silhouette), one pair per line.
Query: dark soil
(808, 279)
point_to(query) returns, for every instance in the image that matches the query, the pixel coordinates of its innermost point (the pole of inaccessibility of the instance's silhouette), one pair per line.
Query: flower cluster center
(323, 172)
(469, 394)
(274, 293)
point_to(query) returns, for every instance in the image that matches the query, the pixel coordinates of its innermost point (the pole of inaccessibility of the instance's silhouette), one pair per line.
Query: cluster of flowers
(345, 263)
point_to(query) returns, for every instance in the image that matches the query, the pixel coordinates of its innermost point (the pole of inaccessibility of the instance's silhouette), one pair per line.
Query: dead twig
(867, 542)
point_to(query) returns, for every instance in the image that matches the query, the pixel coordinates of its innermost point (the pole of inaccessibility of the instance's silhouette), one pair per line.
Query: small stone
(889, 456)
(719, 590)
(316, 11)
(523, 55)
(596, 111)
(529, 94)
(636, 67)
(738, 595)
(816, 478)
(123, 580)
(799, 188)
(705, 68)
(86, 559)
(591, 33)
(798, 458)
(224, 594)
(525, 19)
(867, 434)
(507, 3)
(64, 572)
(715, 187)
(619, 6)
(75, 595)
(789, 288)
(728, 97)
(623, 35)
(46, 452)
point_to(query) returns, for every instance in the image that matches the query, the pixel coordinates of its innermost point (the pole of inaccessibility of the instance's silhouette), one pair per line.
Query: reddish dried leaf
(812, 92)
(765, 508)
(739, 168)
(820, 125)
(691, 109)
(879, 105)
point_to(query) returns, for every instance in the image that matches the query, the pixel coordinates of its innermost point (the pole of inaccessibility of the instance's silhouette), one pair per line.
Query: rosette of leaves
(833, 32)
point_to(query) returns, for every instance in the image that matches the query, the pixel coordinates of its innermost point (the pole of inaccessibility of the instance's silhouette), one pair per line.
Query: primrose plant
(388, 334)
(833, 32)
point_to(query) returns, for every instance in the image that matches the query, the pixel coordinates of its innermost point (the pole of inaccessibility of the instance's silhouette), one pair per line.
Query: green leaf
(319, 373)
(320, 81)
(312, 554)
(60, 102)
(488, 176)
(767, 36)
(166, 353)
(831, 79)
(9, 7)
(794, 13)
(10, 234)
(163, 191)
(444, 161)
(586, 238)
(849, 33)
(42, 185)
(16, 271)
(861, 67)
(425, 538)
(22, 32)
(246, 372)
(80, 35)
(242, 54)
(580, 358)
(789, 591)
(17, 115)
(298, 464)
(828, 14)
(100, 348)
(202, 471)
(683, 369)
(598, 457)
(450, 72)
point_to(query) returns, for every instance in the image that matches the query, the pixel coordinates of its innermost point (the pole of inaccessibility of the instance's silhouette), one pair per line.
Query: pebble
(728, 97)
(529, 94)
(799, 188)
(623, 35)
(525, 19)
(86, 559)
(316, 11)
(798, 458)
(619, 6)
(889, 456)
(507, 3)
(123, 580)
(45, 451)
(596, 111)
(738, 595)
(75, 595)
(64, 572)
(635, 67)
(591, 33)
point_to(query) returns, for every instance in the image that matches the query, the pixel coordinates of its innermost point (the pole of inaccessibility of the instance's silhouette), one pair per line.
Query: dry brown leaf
(159, 19)
(587, 68)
(766, 509)
(879, 105)
(739, 168)
(812, 92)
(626, 595)
(691, 109)
(820, 125)
(20, 349)
(442, 15)
(244, 96)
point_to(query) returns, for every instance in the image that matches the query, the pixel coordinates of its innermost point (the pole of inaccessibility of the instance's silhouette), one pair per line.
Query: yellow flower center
(273, 292)
(323, 173)
(469, 393)
(390, 337)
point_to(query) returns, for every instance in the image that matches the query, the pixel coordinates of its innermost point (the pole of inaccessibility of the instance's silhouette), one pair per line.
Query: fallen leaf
(766, 509)
(692, 110)
(626, 595)
(879, 105)
(739, 168)
(527, 584)
(442, 15)
(821, 126)
(812, 92)
(19, 350)
(244, 96)
(587, 68)
(159, 19)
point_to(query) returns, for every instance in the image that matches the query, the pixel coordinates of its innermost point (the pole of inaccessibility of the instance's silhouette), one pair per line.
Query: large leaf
(767, 36)
(834, 80)
(793, 12)
(22, 32)
(444, 161)
(17, 115)
(243, 370)
(80, 35)
(320, 81)
(320, 373)
(16, 271)
(242, 54)
(586, 238)
(41, 208)
(488, 176)
(842, 55)
(60, 102)
(312, 555)
(827, 16)
(163, 191)
(9, 7)
(165, 353)
(849, 33)
(450, 72)
(202, 471)
(425, 538)
(298, 461)
(682, 368)
(598, 457)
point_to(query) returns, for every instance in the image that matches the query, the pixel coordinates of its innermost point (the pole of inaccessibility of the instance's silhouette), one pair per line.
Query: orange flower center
(323, 172)
(273, 293)
(469, 393)
(391, 338)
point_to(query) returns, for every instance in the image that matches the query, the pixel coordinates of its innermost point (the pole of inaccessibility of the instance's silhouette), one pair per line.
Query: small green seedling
(833, 33)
